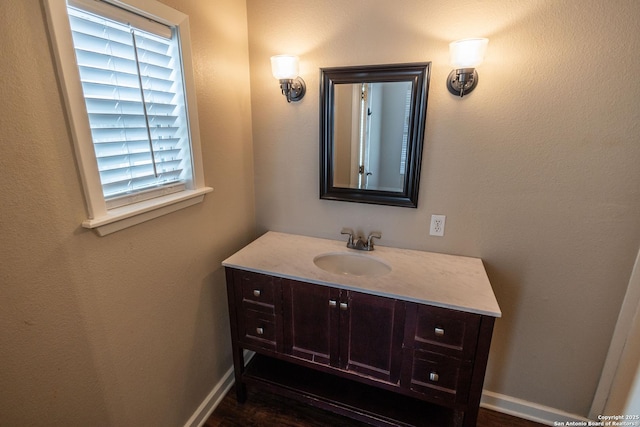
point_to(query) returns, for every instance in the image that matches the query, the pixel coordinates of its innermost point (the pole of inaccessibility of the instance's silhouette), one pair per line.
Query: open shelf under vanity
(342, 396)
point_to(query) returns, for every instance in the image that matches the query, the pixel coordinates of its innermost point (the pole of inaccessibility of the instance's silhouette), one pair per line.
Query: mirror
(372, 122)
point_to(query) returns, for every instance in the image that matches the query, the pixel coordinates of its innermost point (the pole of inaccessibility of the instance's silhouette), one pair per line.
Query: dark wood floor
(265, 409)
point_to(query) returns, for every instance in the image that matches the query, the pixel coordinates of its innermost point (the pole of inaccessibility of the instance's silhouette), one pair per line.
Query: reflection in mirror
(372, 121)
(371, 132)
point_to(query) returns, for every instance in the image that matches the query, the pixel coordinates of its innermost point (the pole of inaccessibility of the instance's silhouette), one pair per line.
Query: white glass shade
(284, 67)
(467, 53)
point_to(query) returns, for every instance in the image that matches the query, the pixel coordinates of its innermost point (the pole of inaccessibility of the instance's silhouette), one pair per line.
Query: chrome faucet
(360, 244)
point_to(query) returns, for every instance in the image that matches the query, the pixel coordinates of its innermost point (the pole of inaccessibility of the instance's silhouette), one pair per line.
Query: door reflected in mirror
(372, 121)
(371, 133)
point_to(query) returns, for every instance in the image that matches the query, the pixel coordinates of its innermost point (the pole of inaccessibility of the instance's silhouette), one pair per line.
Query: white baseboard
(526, 410)
(490, 400)
(210, 403)
(213, 399)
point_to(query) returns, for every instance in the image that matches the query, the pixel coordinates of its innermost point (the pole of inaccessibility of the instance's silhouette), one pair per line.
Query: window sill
(128, 216)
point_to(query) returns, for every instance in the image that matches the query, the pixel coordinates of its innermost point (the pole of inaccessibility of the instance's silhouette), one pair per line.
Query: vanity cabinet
(351, 331)
(384, 360)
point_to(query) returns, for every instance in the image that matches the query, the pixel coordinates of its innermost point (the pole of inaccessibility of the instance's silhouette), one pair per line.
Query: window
(129, 91)
(405, 131)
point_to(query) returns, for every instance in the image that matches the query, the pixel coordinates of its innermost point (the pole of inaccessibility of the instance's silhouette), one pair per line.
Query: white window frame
(103, 220)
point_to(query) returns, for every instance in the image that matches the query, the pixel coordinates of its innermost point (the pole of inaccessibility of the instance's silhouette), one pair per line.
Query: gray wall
(537, 170)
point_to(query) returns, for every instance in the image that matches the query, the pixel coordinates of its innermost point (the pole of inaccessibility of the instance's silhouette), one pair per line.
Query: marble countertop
(448, 281)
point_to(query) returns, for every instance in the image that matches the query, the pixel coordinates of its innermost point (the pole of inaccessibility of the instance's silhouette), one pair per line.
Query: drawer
(258, 289)
(258, 329)
(450, 331)
(441, 378)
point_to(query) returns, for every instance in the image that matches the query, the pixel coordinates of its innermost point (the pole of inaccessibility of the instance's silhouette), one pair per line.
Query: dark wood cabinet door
(371, 332)
(311, 322)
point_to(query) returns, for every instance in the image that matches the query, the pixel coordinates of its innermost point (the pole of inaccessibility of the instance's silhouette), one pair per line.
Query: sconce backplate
(298, 89)
(294, 89)
(462, 81)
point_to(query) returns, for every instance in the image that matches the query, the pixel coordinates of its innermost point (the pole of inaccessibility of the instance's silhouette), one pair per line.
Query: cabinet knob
(333, 303)
(256, 292)
(439, 331)
(260, 331)
(433, 376)
(343, 306)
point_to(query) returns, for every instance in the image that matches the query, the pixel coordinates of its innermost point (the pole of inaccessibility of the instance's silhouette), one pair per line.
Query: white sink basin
(351, 264)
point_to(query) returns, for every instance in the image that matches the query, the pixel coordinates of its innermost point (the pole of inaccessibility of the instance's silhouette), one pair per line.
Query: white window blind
(405, 132)
(134, 95)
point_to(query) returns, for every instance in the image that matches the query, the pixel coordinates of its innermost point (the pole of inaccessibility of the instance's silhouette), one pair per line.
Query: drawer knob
(333, 303)
(433, 376)
(260, 331)
(256, 292)
(343, 306)
(439, 331)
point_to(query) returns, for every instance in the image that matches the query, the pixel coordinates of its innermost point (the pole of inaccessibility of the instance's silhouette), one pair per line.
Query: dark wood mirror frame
(418, 74)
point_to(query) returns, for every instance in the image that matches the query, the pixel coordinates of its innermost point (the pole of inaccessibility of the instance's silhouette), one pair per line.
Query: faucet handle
(350, 233)
(372, 235)
(347, 231)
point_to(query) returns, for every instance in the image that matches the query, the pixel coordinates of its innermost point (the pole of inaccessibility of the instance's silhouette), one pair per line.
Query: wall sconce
(285, 69)
(465, 55)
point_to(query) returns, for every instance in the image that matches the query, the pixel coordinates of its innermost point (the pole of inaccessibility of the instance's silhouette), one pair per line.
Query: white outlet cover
(437, 225)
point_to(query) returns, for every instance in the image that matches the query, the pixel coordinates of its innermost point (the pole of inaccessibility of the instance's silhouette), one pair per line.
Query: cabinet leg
(467, 418)
(238, 369)
(241, 392)
(458, 418)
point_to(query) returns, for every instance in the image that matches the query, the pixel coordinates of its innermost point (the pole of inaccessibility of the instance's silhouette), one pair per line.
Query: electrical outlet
(437, 225)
